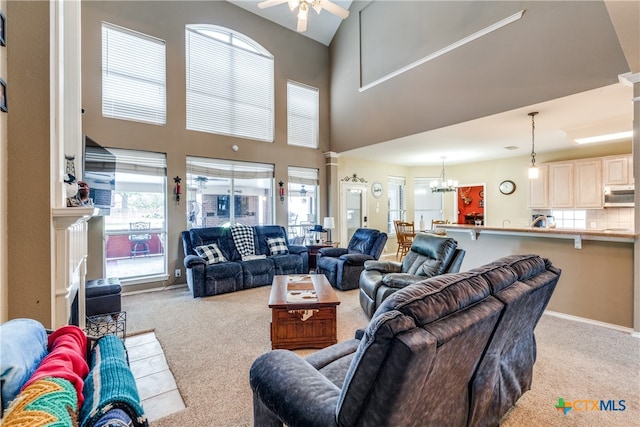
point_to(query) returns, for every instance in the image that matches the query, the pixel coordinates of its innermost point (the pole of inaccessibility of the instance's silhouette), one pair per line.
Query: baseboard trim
(624, 329)
(156, 289)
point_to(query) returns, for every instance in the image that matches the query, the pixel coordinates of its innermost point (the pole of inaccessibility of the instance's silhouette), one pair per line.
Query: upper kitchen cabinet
(539, 189)
(561, 185)
(617, 170)
(588, 183)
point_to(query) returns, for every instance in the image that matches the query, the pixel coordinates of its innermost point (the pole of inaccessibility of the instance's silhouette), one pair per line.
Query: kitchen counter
(597, 281)
(611, 235)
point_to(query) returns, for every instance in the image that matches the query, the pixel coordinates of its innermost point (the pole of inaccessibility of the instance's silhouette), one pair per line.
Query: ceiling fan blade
(339, 11)
(269, 3)
(302, 25)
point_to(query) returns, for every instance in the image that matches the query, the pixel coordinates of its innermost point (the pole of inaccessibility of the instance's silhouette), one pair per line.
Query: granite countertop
(549, 232)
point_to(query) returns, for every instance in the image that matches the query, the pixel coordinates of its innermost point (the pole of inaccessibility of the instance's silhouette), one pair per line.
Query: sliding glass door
(135, 229)
(224, 192)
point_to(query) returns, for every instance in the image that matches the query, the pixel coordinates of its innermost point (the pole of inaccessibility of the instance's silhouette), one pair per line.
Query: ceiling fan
(303, 9)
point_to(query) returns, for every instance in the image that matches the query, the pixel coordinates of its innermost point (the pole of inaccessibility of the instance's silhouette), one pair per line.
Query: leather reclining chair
(454, 350)
(430, 255)
(343, 266)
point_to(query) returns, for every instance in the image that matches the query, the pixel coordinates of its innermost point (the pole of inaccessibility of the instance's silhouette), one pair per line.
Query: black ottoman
(103, 296)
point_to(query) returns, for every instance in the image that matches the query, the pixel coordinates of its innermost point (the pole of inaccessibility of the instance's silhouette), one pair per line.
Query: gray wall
(554, 50)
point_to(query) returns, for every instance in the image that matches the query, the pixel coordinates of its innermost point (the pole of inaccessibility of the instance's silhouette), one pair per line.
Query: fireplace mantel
(70, 227)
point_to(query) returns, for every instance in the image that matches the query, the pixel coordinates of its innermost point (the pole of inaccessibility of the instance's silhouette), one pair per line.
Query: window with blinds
(395, 201)
(230, 84)
(304, 195)
(224, 192)
(302, 115)
(133, 76)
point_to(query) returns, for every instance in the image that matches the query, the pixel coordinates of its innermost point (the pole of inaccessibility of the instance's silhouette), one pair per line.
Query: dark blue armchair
(343, 266)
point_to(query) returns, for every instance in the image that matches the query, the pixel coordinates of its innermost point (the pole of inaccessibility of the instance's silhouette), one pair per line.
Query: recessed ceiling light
(511, 147)
(602, 138)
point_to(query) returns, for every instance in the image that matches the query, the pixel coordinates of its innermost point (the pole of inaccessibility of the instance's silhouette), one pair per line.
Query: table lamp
(329, 224)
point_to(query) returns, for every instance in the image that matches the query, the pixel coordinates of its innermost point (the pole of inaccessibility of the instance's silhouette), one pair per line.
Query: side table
(313, 253)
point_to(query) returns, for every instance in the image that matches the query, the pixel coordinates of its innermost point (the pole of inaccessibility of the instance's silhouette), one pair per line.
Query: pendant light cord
(533, 138)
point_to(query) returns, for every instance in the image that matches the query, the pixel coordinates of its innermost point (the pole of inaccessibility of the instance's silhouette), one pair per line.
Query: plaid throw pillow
(277, 246)
(211, 253)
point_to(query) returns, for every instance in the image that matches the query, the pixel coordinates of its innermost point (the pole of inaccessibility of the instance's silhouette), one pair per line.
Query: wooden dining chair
(435, 222)
(405, 232)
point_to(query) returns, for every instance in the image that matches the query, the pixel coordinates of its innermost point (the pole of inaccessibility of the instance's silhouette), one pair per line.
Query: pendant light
(533, 169)
(442, 185)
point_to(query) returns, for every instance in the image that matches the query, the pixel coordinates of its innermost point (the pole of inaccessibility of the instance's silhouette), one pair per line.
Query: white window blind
(199, 166)
(395, 201)
(140, 162)
(133, 76)
(229, 84)
(302, 115)
(304, 176)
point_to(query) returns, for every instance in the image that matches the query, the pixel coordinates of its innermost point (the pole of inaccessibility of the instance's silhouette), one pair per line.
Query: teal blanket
(110, 385)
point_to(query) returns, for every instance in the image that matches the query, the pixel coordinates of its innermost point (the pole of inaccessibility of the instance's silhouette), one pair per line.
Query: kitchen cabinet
(617, 170)
(539, 189)
(588, 183)
(578, 183)
(561, 185)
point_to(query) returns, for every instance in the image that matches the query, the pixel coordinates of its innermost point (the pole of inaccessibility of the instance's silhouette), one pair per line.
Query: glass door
(135, 229)
(353, 214)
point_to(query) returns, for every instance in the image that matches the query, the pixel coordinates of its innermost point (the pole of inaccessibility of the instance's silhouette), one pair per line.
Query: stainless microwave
(618, 196)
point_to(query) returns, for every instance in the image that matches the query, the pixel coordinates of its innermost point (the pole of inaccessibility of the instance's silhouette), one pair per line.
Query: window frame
(222, 97)
(118, 70)
(303, 115)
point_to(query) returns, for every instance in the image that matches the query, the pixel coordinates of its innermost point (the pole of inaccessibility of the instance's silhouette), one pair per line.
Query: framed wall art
(3, 32)
(3, 96)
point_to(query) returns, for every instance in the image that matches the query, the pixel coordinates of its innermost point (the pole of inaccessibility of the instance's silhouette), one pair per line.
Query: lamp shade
(329, 222)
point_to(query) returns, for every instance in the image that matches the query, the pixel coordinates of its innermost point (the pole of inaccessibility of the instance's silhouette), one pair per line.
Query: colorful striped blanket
(102, 392)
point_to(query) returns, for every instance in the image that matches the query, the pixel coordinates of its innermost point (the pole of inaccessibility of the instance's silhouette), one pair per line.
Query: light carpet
(210, 343)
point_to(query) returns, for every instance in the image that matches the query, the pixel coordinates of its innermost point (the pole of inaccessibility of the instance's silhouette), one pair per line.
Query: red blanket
(66, 359)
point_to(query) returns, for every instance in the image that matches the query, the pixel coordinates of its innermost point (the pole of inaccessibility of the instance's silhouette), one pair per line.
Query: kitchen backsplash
(591, 219)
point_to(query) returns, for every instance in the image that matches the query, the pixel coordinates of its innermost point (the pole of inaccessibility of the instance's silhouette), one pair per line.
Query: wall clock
(376, 189)
(507, 187)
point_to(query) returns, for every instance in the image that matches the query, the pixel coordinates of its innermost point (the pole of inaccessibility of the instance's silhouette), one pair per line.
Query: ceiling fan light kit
(303, 9)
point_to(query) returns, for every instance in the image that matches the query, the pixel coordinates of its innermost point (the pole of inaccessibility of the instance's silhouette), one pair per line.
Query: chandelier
(533, 169)
(442, 185)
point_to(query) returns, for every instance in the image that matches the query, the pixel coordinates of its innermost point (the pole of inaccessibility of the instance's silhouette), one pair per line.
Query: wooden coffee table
(303, 323)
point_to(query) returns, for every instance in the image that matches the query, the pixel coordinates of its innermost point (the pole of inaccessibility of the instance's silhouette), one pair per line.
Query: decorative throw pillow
(277, 246)
(211, 253)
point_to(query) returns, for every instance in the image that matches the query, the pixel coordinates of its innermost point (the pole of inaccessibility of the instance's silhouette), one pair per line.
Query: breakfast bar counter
(607, 234)
(597, 265)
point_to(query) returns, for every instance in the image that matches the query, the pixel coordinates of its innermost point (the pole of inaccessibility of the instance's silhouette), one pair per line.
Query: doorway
(471, 204)
(353, 214)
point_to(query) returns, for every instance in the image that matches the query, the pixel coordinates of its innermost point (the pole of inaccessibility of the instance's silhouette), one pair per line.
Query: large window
(395, 201)
(303, 202)
(135, 230)
(427, 204)
(225, 192)
(302, 115)
(133, 76)
(229, 83)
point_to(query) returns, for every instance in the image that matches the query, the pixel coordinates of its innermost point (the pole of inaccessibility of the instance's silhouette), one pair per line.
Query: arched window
(229, 83)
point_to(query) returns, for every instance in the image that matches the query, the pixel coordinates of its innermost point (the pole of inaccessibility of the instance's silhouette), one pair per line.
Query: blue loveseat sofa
(234, 273)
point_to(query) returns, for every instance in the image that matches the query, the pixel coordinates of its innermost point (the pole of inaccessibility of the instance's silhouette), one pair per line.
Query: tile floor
(156, 385)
